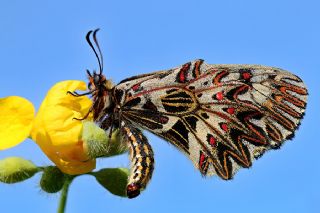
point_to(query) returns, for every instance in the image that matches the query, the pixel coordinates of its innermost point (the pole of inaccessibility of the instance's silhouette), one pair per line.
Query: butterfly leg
(141, 157)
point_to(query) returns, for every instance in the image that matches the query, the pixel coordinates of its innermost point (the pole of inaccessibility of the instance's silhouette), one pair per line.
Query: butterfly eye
(96, 79)
(89, 86)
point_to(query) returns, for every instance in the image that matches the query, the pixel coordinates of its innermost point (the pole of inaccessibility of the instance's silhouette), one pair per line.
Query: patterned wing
(221, 116)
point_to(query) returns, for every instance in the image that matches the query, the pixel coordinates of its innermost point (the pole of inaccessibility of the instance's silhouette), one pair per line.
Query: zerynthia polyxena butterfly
(221, 116)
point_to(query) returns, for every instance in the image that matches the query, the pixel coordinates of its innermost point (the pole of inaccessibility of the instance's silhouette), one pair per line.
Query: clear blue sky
(42, 42)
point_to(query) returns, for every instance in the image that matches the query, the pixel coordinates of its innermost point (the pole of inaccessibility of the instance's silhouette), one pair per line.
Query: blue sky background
(42, 42)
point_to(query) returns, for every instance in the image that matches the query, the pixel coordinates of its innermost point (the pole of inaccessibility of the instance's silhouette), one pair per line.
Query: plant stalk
(64, 195)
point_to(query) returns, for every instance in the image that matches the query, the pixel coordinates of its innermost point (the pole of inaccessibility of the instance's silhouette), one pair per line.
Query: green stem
(64, 195)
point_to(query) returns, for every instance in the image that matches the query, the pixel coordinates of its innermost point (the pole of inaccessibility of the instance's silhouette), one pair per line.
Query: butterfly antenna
(88, 72)
(97, 44)
(92, 47)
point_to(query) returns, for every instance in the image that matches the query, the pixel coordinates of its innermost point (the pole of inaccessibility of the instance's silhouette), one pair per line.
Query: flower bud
(16, 169)
(52, 179)
(98, 143)
(113, 179)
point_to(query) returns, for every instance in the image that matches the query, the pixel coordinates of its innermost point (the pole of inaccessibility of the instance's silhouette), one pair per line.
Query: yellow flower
(53, 128)
(16, 115)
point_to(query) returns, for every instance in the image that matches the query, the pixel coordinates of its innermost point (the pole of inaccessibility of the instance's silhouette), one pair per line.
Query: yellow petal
(57, 132)
(71, 167)
(58, 110)
(16, 115)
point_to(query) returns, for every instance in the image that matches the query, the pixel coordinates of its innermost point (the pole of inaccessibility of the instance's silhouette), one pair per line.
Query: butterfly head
(99, 87)
(98, 83)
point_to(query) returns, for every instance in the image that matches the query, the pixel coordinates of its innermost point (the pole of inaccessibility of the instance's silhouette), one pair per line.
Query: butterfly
(222, 117)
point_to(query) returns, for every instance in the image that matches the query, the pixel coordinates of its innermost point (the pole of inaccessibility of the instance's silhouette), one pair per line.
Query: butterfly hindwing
(221, 116)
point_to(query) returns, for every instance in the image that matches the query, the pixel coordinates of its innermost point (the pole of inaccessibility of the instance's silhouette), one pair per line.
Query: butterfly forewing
(220, 116)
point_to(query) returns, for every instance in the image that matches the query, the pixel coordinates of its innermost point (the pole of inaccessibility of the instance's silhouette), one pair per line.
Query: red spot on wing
(224, 126)
(246, 75)
(212, 141)
(135, 87)
(219, 96)
(202, 159)
(182, 76)
(230, 110)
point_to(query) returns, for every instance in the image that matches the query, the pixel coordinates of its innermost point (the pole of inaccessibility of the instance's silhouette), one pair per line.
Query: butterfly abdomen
(141, 157)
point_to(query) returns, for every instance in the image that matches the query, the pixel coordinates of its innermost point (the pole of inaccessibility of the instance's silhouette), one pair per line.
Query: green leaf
(52, 179)
(113, 179)
(16, 169)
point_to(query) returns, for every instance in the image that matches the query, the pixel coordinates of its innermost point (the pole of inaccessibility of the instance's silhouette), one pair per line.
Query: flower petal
(59, 109)
(57, 132)
(16, 115)
(72, 167)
